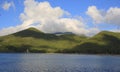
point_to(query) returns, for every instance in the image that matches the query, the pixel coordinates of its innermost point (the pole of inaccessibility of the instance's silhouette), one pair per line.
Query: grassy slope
(104, 42)
(37, 41)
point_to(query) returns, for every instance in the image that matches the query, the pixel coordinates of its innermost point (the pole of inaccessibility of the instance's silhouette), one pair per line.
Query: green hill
(33, 40)
(104, 42)
(36, 41)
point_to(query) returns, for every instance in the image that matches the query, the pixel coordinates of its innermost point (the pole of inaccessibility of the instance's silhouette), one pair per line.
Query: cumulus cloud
(95, 14)
(110, 16)
(113, 16)
(50, 20)
(7, 5)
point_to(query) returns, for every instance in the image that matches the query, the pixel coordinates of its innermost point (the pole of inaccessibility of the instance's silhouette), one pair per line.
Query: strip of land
(34, 41)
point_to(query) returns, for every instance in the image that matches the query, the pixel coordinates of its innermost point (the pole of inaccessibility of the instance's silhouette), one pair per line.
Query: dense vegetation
(33, 40)
(103, 43)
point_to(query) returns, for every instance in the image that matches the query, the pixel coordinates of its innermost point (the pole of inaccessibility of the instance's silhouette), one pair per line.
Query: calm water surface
(58, 63)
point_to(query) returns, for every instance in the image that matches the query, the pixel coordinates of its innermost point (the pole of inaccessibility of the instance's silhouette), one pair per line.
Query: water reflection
(58, 63)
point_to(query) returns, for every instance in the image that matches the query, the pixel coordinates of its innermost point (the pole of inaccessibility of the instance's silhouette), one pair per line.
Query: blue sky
(11, 16)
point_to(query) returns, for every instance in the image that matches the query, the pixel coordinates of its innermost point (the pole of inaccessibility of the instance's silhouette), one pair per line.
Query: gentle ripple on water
(58, 63)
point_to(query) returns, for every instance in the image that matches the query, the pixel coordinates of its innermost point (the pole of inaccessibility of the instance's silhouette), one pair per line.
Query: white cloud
(7, 5)
(111, 16)
(95, 14)
(49, 20)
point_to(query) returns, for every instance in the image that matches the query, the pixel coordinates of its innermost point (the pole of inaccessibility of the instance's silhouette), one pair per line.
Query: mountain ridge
(32, 39)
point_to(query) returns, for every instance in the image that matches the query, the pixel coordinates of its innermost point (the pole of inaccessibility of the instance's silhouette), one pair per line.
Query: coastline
(66, 54)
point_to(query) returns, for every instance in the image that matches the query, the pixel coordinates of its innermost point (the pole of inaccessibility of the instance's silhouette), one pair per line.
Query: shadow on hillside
(40, 35)
(1, 40)
(112, 41)
(112, 46)
(19, 49)
(34, 34)
(24, 49)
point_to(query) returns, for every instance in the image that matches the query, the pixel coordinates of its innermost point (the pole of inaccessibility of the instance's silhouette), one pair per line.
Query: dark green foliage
(37, 50)
(102, 43)
(22, 48)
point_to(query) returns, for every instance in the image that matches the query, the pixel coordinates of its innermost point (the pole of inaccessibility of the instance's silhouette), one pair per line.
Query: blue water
(58, 63)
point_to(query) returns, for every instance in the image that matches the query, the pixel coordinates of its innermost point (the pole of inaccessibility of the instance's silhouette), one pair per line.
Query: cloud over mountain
(48, 19)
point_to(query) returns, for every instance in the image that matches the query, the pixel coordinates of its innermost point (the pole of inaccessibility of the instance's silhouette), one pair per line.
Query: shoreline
(68, 54)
